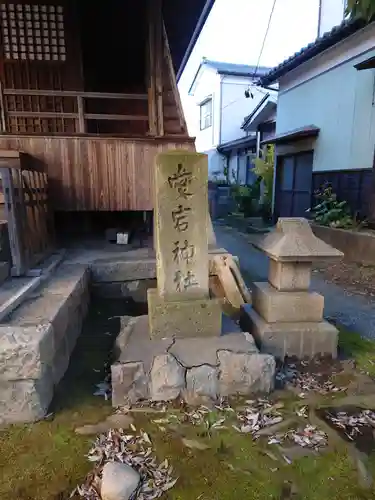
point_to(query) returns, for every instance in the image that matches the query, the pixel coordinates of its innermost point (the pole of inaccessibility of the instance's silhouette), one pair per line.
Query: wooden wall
(89, 173)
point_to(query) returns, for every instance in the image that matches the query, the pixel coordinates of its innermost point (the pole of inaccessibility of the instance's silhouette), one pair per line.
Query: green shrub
(331, 212)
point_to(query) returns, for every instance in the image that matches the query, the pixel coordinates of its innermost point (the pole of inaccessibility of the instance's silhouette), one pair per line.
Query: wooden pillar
(155, 68)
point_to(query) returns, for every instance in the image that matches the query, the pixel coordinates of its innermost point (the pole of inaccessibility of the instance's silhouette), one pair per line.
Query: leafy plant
(264, 168)
(331, 212)
(247, 198)
(364, 9)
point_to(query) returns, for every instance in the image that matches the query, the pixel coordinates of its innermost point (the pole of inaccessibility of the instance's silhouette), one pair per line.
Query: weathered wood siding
(88, 173)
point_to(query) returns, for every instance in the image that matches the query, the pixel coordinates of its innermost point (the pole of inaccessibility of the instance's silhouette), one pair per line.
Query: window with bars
(33, 32)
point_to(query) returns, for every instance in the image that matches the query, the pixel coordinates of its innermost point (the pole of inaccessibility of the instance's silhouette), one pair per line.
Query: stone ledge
(37, 341)
(137, 269)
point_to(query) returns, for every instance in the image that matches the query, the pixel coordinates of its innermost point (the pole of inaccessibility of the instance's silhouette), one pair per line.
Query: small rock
(167, 378)
(120, 421)
(194, 444)
(119, 481)
(116, 421)
(89, 429)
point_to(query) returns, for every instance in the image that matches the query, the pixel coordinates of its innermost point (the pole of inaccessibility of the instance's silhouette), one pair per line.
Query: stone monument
(180, 348)
(181, 305)
(285, 318)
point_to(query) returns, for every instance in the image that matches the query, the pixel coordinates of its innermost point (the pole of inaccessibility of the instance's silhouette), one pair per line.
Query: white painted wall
(346, 118)
(331, 14)
(207, 85)
(235, 106)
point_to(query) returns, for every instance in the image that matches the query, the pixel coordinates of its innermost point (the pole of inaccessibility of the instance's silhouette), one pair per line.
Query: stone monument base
(163, 369)
(304, 339)
(200, 317)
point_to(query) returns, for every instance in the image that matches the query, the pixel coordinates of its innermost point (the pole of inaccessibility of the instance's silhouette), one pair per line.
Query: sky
(235, 29)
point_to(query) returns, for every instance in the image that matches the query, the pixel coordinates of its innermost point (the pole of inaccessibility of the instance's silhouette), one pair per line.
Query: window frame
(207, 116)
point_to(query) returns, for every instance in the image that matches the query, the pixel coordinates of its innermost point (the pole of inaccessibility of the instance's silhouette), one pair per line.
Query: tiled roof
(336, 35)
(224, 68)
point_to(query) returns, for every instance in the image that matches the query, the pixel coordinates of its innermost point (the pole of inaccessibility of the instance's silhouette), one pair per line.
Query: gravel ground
(346, 287)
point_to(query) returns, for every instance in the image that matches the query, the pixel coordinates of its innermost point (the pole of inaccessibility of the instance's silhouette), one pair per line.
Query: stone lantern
(286, 319)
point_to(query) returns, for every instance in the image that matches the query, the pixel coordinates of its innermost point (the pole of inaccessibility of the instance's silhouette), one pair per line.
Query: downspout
(220, 104)
(319, 16)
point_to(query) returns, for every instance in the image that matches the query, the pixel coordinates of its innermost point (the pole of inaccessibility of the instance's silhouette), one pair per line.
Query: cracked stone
(202, 381)
(167, 378)
(245, 373)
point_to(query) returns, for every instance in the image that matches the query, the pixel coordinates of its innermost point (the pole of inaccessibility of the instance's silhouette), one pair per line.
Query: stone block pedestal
(301, 339)
(193, 318)
(164, 369)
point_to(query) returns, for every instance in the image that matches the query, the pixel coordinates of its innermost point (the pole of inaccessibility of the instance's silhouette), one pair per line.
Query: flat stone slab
(196, 352)
(163, 369)
(300, 339)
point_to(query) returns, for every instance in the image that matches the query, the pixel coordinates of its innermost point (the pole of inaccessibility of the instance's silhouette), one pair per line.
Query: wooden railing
(24, 192)
(78, 114)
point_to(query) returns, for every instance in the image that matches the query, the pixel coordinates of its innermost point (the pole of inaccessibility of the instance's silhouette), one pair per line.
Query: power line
(256, 88)
(265, 36)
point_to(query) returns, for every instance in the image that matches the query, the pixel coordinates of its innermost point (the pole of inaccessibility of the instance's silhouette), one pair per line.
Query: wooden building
(88, 94)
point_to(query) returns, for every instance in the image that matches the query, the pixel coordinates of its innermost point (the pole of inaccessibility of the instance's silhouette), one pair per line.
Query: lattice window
(33, 32)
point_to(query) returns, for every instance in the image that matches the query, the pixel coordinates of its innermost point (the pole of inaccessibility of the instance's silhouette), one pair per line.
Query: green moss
(361, 350)
(45, 461)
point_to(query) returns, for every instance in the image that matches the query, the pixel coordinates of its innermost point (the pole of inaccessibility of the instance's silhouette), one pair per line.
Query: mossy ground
(46, 460)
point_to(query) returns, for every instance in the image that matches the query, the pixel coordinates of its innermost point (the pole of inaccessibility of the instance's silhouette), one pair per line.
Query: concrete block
(301, 339)
(60, 361)
(276, 306)
(290, 276)
(26, 351)
(192, 318)
(241, 373)
(24, 401)
(129, 383)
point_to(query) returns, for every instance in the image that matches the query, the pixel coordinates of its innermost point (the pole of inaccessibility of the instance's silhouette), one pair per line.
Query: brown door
(294, 185)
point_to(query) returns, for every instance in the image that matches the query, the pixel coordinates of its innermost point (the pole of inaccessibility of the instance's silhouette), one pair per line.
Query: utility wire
(260, 55)
(265, 36)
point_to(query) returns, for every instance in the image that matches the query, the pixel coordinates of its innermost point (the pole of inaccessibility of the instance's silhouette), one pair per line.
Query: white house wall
(207, 85)
(235, 106)
(331, 14)
(341, 103)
